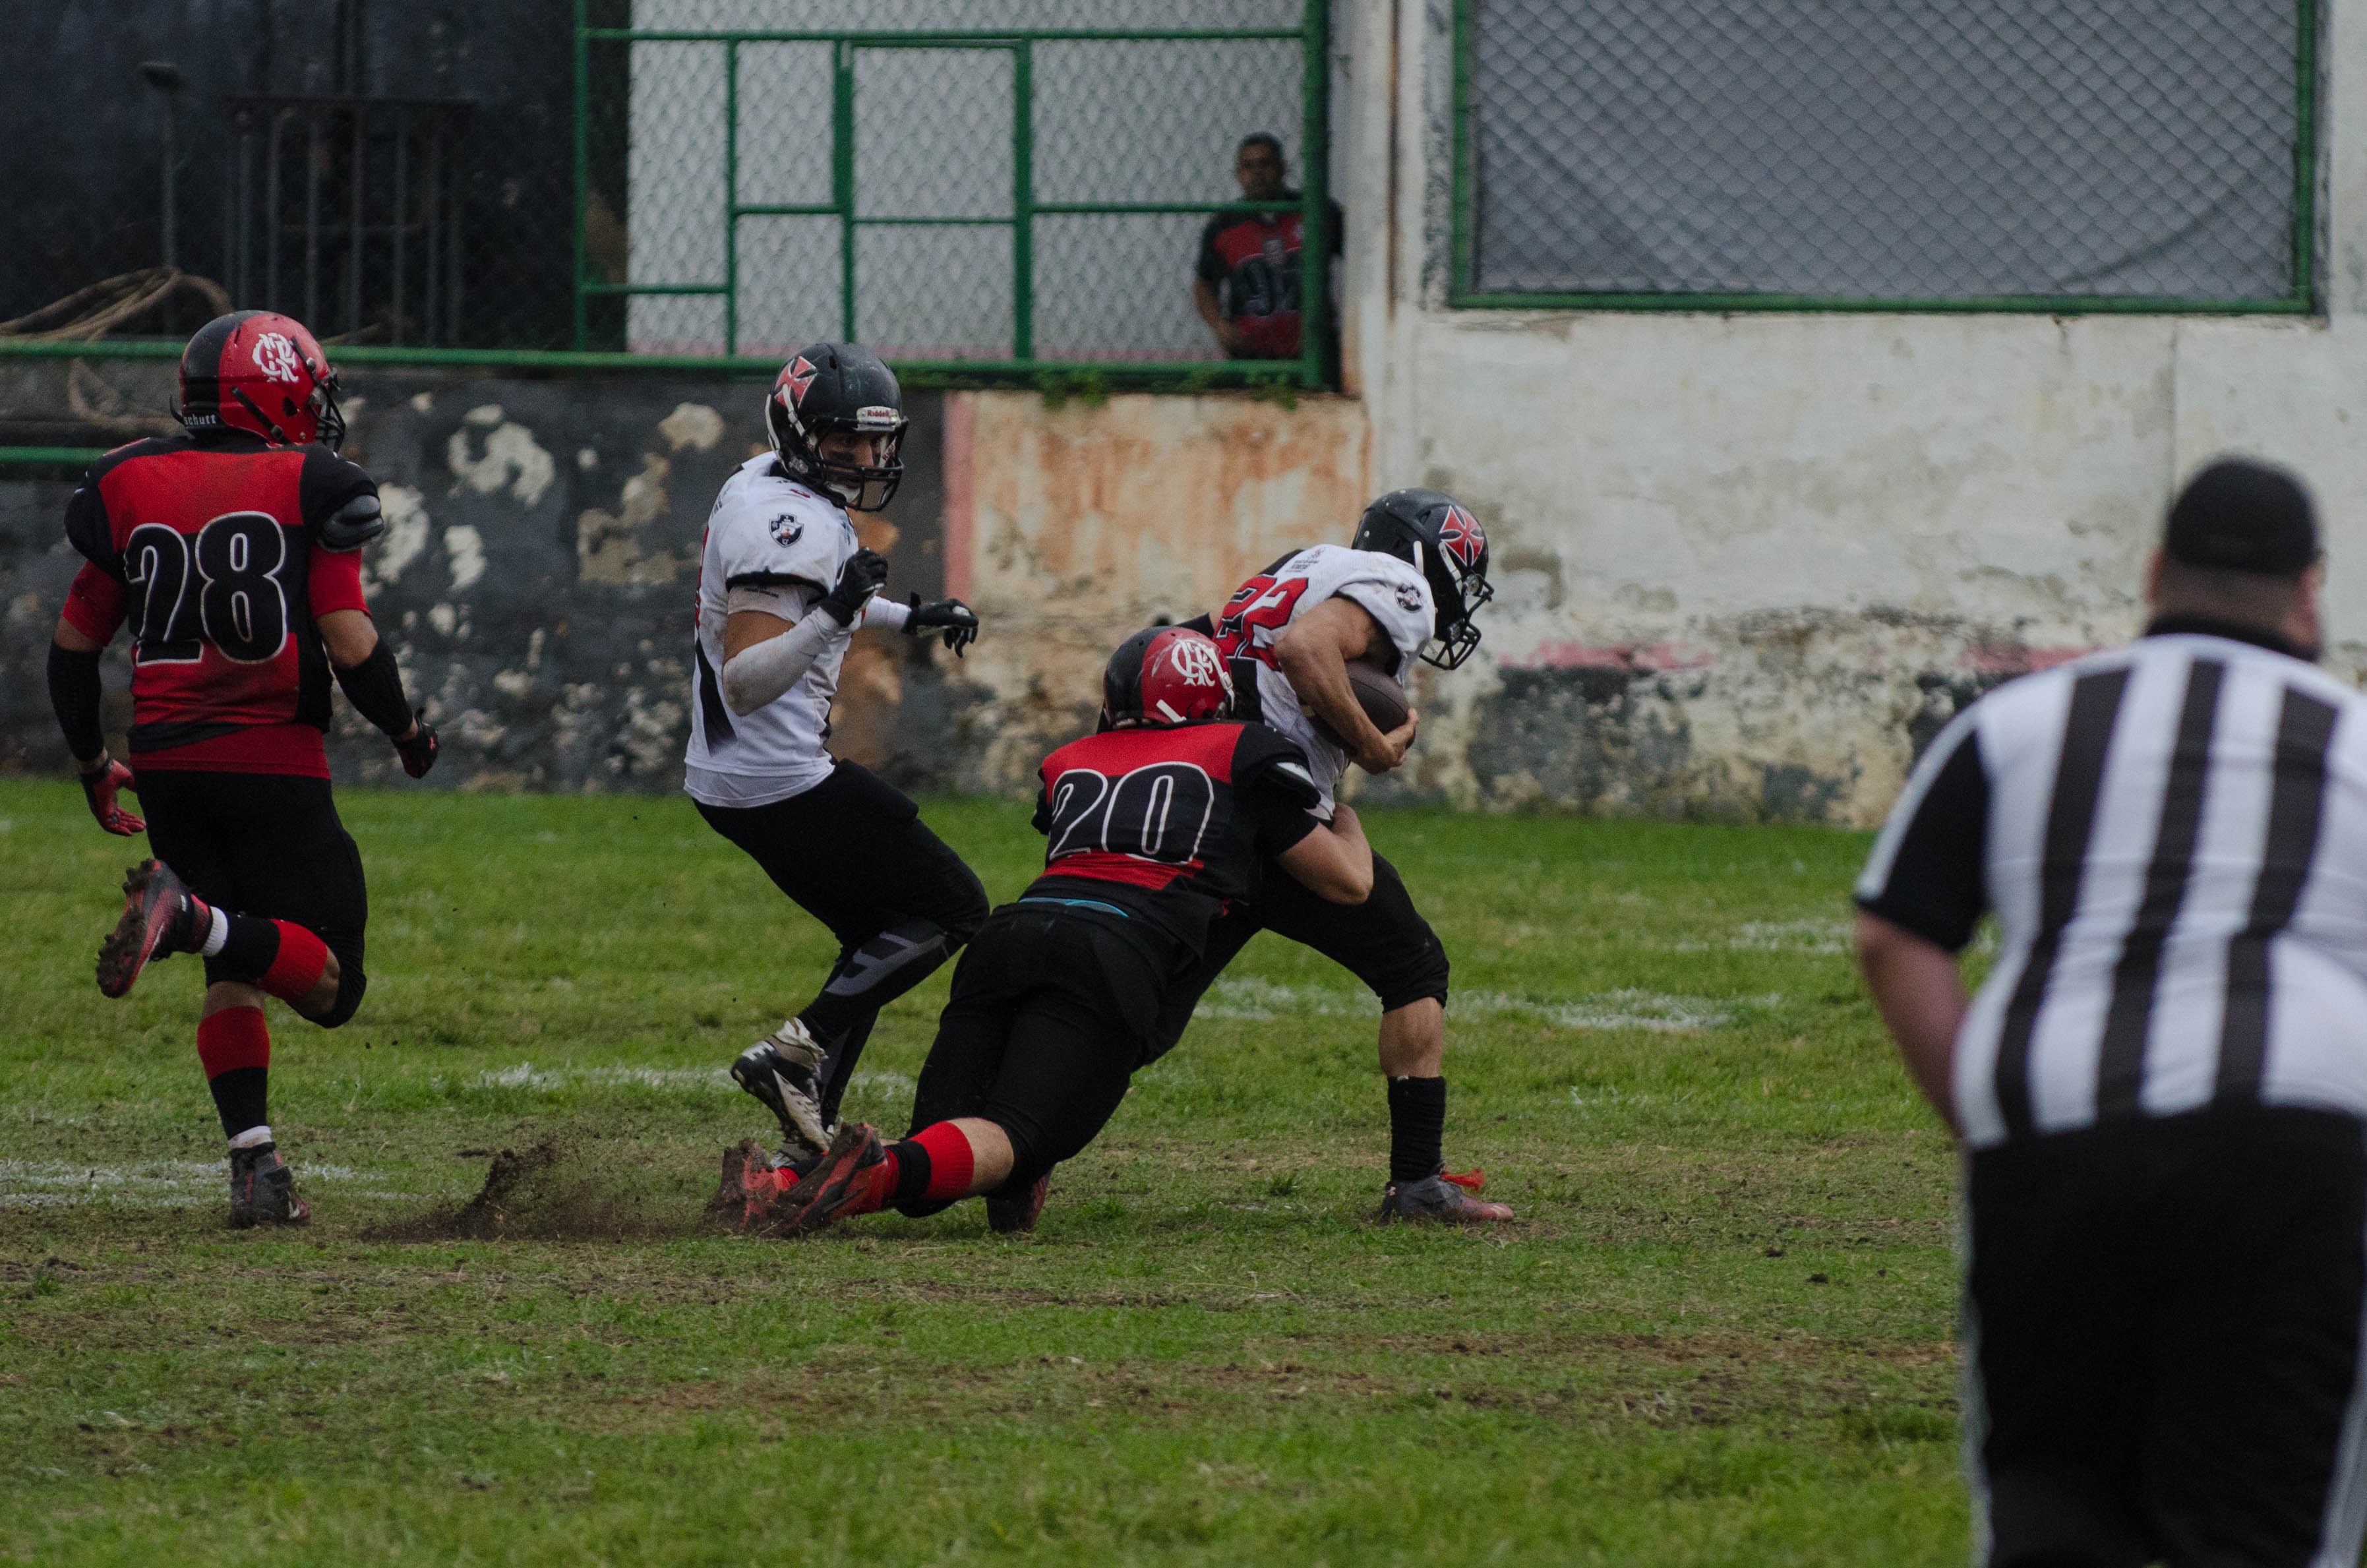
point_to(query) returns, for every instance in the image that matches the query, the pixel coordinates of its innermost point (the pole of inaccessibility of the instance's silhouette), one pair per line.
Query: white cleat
(784, 1071)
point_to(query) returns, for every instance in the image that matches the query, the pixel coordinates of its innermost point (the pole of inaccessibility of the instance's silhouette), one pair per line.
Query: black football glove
(418, 752)
(99, 789)
(955, 618)
(860, 578)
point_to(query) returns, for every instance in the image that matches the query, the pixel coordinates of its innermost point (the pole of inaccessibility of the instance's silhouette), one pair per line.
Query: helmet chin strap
(277, 433)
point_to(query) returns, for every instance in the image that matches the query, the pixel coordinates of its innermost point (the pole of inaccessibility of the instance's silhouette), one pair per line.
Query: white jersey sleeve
(1392, 591)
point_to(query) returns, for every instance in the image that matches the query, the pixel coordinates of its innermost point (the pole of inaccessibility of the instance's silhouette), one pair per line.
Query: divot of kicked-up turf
(1720, 1331)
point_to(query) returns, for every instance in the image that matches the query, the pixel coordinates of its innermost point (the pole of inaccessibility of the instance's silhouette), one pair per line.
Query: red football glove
(99, 789)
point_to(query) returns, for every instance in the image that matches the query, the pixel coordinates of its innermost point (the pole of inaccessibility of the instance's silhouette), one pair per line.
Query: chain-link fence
(1010, 184)
(2017, 154)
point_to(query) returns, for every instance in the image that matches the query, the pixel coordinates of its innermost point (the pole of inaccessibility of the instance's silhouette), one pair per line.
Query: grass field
(1720, 1332)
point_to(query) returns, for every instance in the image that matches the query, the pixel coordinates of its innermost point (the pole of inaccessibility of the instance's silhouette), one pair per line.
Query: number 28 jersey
(1169, 825)
(1392, 591)
(208, 550)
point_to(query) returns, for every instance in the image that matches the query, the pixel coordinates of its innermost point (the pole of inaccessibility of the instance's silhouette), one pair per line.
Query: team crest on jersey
(1408, 596)
(1461, 537)
(786, 529)
(798, 377)
(277, 357)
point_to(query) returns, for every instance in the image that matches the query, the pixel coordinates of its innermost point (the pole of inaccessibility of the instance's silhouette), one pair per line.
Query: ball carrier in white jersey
(1405, 588)
(783, 583)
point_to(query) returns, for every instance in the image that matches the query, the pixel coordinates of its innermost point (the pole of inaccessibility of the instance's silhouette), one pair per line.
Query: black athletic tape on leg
(77, 697)
(1417, 1128)
(249, 951)
(375, 688)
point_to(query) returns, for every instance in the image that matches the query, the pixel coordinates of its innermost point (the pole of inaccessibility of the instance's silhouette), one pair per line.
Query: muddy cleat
(158, 914)
(1014, 1213)
(1440, 1199)
(263, 1189)
(843, 1184)
(784, 1071)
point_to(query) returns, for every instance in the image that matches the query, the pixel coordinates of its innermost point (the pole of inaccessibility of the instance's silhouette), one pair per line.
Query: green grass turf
(1720, 1332)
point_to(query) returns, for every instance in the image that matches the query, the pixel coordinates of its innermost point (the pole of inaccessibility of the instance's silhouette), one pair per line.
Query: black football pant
(1052, 1010)
(853, 852)
(268, 845)
(2163, 1343)
(1384, 942)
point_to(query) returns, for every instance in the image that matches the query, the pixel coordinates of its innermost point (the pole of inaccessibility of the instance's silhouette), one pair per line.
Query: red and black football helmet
(1165, 676)
(1446, 544)
(838, 386)
(260, 371)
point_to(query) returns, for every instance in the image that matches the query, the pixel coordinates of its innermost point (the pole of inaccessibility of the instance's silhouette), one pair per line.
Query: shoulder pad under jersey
(353, 525)
(767, 531)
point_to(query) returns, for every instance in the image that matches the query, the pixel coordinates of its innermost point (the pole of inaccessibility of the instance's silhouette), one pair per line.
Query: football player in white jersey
(1405, 588)
(783, 585)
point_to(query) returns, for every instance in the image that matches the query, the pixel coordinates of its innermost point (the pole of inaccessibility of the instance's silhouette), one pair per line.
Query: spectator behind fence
(1248, 284)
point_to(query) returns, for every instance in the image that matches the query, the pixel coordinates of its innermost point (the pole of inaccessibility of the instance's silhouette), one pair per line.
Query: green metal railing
(1308, 370)
(1659, 43)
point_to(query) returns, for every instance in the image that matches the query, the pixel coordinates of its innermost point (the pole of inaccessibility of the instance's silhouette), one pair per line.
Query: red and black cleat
(845, 1183)
(1442, 1200)
(156, 909)
(1014, 1212)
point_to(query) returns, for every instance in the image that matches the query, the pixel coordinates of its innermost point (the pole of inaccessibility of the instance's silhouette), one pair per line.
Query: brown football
(1381, 698)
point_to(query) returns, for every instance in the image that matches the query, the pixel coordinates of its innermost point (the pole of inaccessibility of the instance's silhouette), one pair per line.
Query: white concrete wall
(1747, 560)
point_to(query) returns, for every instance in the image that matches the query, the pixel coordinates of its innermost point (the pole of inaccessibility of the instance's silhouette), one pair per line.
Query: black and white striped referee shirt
(2174, 837)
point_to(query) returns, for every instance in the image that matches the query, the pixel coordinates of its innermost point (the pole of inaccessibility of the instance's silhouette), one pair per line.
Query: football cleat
(1009, 1213)
(156, 913)
(845, 1183)
(263, 1189)
(784, 1071)
(1441, 1201)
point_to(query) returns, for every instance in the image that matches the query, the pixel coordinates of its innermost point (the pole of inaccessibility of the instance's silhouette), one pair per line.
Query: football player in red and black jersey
(233, 552)
(1158, 824)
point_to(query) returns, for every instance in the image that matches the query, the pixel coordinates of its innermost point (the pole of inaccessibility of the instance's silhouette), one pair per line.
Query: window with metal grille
(2017, 154)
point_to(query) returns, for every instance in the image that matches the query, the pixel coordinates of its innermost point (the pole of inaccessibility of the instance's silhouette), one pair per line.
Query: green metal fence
(2034, 155)
(1005, 202)
(985, 204)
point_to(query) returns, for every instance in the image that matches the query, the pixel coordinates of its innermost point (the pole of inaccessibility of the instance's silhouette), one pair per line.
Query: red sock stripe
(297, 966)
(235, 1037)
(950, 1161)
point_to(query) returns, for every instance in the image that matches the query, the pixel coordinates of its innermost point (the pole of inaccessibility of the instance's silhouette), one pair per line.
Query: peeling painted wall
(537, 579)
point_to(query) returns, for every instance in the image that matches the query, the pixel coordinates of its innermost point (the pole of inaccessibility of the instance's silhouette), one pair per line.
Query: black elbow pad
(353, 525)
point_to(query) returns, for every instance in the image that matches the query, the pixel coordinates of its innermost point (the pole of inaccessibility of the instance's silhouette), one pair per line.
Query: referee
(2162, 1087)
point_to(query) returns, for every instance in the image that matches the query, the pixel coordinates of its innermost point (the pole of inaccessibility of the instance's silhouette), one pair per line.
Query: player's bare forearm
(1920, 994)
(1335, 863)
(1204, 300)
(1313, 657)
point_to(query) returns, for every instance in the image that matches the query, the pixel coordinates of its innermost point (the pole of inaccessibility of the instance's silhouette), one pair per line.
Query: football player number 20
(1157, 812)
(221, 587)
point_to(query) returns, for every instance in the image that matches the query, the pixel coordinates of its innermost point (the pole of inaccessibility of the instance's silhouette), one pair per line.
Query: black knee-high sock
(1417, 1128)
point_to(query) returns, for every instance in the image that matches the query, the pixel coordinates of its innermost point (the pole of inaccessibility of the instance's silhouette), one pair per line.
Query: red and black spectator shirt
(1251, 260)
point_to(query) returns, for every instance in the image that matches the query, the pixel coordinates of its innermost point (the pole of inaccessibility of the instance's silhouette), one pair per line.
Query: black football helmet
(1447, 545)
(838, 386)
